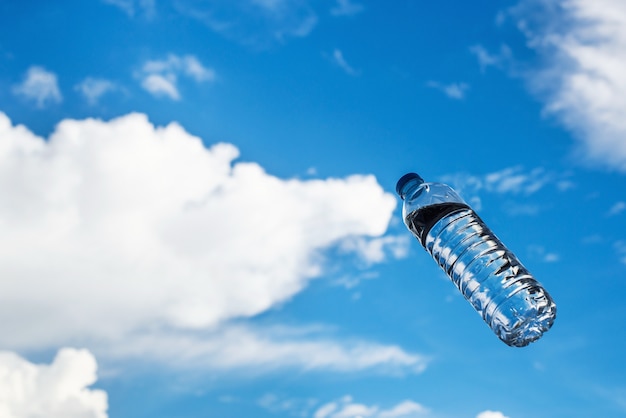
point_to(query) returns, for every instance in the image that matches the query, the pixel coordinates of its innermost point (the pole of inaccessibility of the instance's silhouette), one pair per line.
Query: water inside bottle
(491, 278)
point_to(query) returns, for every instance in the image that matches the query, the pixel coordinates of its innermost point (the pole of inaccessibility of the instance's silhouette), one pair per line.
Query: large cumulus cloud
(121, 231)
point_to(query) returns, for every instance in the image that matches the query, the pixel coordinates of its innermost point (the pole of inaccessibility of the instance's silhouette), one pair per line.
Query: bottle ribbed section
(491, 278)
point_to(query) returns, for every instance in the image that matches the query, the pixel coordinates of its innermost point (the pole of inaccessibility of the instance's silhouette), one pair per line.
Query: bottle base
(527, 330)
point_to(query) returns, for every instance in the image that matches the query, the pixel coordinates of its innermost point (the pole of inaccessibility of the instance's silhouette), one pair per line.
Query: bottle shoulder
(427, 194)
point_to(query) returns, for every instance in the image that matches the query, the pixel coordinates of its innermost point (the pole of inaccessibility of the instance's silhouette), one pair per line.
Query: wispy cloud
(40, 86)
(352, 281)
(511, 180)
(341, 62)
(514, 180)
(287, 405)
(592, 239)
(517, 208)
(455, 91)
(134, 7)
(616, 395)
(256, 23)
(539, 252)
(347, 408)
(187, 65)
(61, 389)
(93, 89)
(160, 77)
(583, 80)
(620, 249)
(617, 208)
(346, 8)
(488, 59)
(376, 250)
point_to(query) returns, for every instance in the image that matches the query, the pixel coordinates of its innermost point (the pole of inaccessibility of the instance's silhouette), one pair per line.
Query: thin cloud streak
(341, 62)
(617, 208)
(456, 91)
(134, 7)
(254, 23)
(242, 349)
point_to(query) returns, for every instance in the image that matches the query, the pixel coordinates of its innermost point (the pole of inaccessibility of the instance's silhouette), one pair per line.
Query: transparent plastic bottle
(514, 305)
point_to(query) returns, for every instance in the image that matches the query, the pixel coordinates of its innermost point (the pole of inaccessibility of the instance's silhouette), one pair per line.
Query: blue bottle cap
(405, 179)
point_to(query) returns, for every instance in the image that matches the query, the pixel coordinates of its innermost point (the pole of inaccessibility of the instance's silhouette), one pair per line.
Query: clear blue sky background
(518, 105)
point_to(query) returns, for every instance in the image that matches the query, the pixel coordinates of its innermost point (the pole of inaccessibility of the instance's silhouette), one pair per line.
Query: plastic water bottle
(514, 305)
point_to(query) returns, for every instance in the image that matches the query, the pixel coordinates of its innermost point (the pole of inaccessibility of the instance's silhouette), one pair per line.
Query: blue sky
(199, 220)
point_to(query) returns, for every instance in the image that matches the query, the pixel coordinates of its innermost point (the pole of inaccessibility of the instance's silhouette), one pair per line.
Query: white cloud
(341, 62)
(161, 85)
(325, 410)
(454, 90)
(160, 77)
(583, 82)
(94, 88)
(114, 230)
(58, 390)
(491, 414)
(133, 7)
(487, 59)
(194, 69)
(347, 408)
(346, 8)
(39, 85)
(256, 23)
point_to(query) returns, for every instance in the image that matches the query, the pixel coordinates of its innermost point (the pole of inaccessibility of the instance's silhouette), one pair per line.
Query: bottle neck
(408, 183)
(410, 187)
